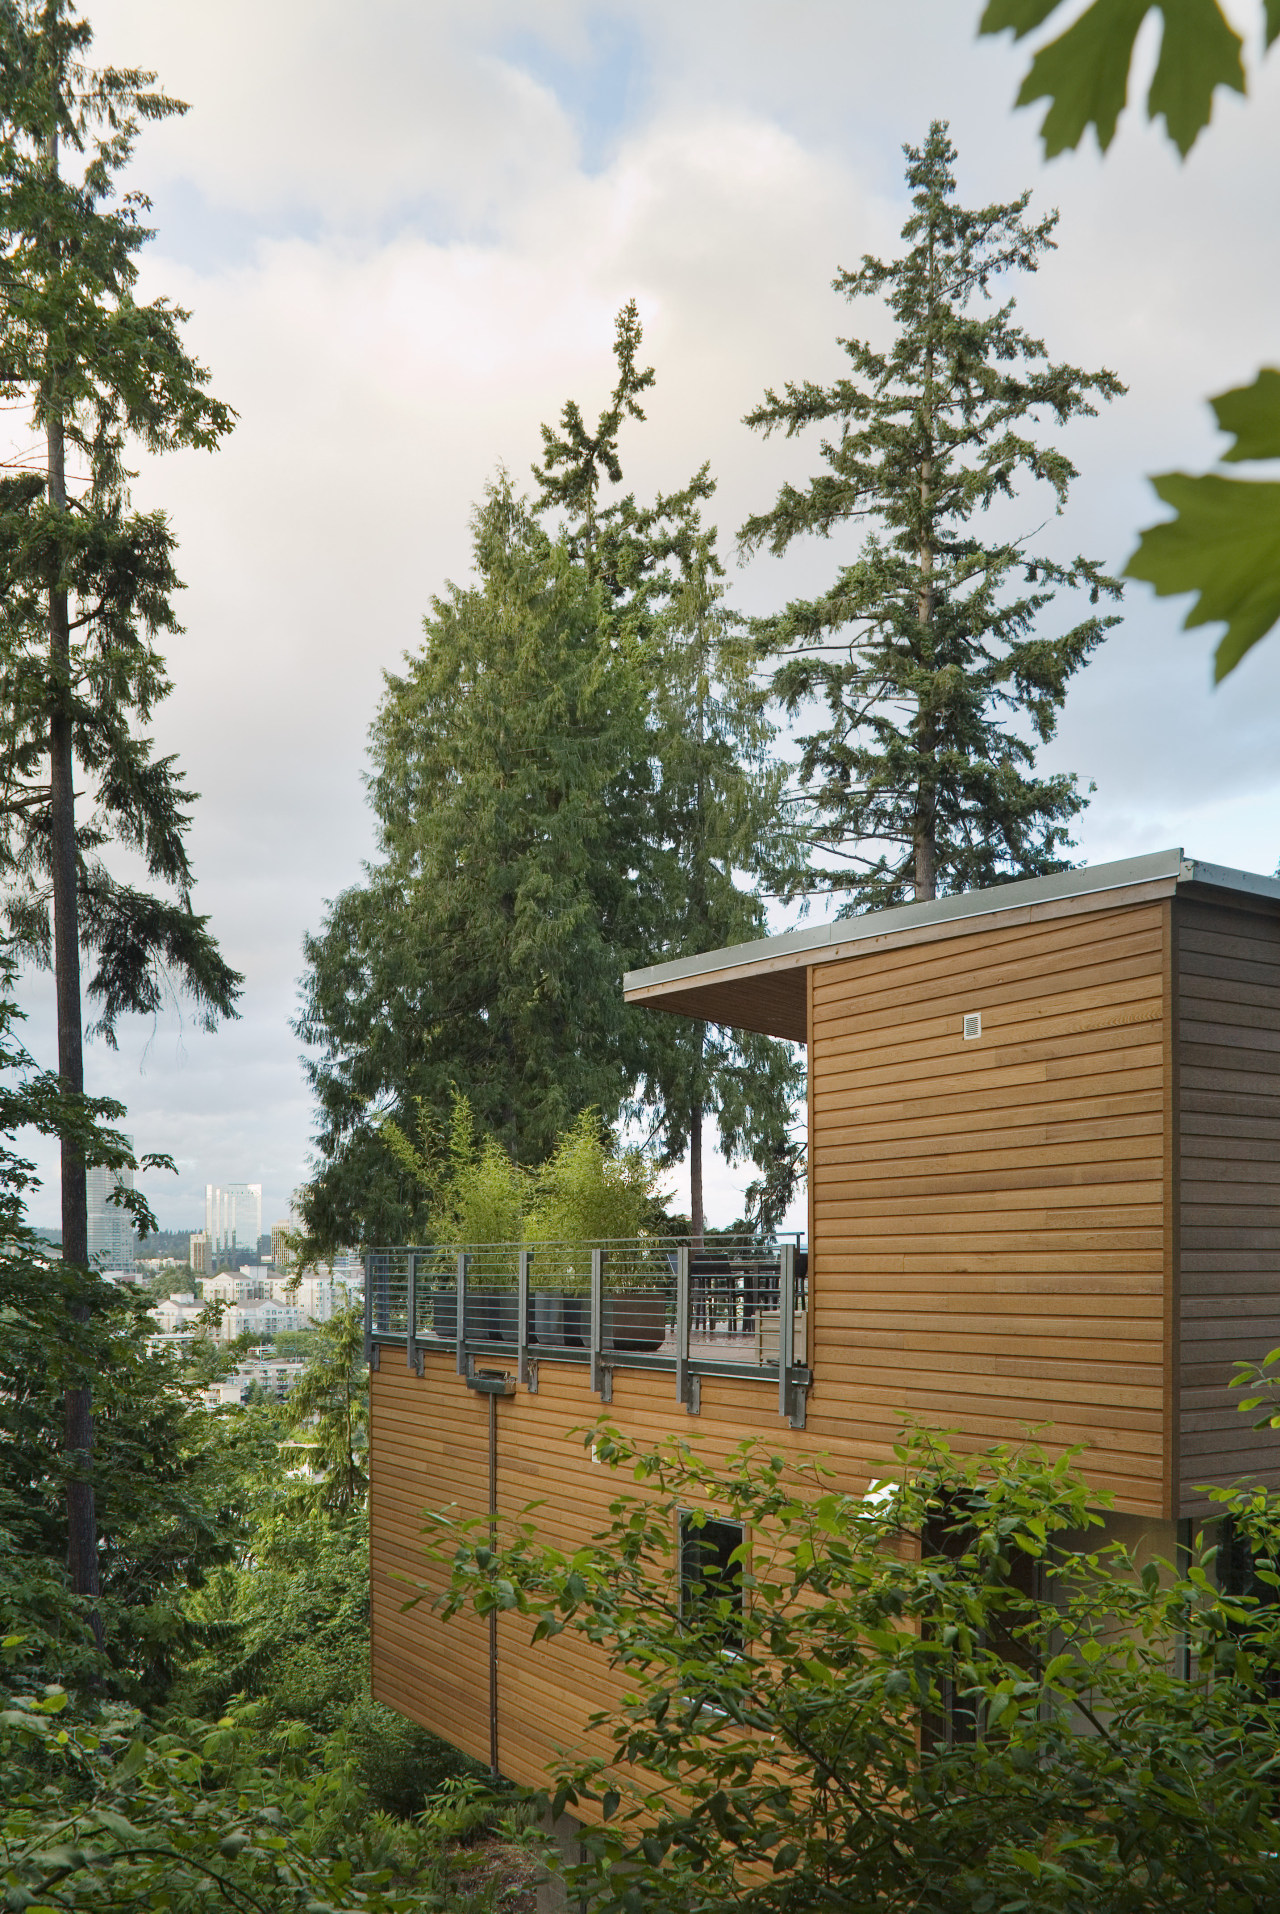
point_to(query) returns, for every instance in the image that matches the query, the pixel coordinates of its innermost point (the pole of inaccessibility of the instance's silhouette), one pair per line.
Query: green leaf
(1252, 413)
(1273, 20)
(135, 1759)
(1198, 51)
(1021, 15)
(1085, 74)
(1223, 544)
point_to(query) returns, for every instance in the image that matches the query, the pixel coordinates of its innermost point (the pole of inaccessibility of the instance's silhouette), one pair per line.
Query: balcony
(734, 1308)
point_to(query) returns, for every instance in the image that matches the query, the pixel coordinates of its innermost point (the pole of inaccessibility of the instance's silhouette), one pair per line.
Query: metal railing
(733, 1306)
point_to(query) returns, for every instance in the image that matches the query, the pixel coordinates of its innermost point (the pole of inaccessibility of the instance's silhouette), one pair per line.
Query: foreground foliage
(1223, 541)
(1075, 1756)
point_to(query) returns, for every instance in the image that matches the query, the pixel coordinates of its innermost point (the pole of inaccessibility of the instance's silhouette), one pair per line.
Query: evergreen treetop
(921, 780)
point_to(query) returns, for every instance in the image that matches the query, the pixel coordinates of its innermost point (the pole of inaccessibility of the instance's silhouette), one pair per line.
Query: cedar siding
(988, 1215)
(1227, 970)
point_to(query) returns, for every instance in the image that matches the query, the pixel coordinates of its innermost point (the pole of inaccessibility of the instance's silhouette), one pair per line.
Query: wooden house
(1044, 1146)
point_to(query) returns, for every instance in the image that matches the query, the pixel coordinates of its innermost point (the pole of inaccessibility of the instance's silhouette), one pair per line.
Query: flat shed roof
(761, 985)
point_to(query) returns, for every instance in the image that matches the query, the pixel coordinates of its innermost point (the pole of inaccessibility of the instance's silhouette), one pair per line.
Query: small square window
(710, 1580)
(972, 1024)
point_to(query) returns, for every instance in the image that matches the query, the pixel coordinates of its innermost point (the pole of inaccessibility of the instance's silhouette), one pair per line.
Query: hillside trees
(720, 819)
(926, 656)
(482, 952)
(715, 826)
(570, 778)
(88, 586)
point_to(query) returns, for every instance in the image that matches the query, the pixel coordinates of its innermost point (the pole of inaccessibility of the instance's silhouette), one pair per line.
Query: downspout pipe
(493, 1384)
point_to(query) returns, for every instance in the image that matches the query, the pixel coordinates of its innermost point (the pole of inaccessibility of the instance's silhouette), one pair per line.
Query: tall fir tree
(927, 655)
(718, 818)
(482, 953)
(716, 810)
(88, 586)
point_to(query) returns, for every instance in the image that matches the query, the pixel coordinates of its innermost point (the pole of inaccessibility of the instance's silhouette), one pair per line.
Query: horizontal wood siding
(430, 1450)
(1228, 970)
(987, 1216)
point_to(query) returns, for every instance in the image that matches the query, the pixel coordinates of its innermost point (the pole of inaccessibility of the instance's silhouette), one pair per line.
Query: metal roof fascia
(1020, 894)
(1222, 877)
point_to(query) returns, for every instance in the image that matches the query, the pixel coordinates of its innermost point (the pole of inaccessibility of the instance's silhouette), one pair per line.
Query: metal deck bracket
(375, 1356)
(597, 1322)
(531, 1375)
(786, 1326)
(606, 1382)
(683, 1378)
(522, 1315)
(462, 1313)
(693, 1398)
(412, 1354)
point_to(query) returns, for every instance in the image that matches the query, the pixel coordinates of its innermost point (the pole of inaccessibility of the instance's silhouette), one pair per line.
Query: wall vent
(973, 1024)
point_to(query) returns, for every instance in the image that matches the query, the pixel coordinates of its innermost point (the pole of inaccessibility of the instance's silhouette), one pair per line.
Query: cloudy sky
(403, 230)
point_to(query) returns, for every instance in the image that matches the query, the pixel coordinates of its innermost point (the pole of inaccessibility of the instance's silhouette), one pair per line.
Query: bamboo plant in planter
(477, 1197)
(588, 1194)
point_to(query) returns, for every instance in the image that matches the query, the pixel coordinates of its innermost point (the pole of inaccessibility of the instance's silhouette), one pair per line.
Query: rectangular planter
(635, 1320)
(493, 1315)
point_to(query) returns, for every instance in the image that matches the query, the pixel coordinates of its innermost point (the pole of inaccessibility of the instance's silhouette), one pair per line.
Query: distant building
(232, 1217)
(176, 1315)
(276, 1375)
(281, 1253)
(318, 1295)
(236, 1286)
(111, 1240)
(198, 1254)
(260, 1319)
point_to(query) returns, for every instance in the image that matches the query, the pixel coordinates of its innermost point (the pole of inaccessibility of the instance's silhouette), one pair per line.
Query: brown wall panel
(430, 1450)
(989, 1216)
(1228, 980)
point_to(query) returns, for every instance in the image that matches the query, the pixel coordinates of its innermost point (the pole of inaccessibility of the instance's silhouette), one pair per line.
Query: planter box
(636, 1320)
(493, 1315)
(441, 1313)
(560, 1320)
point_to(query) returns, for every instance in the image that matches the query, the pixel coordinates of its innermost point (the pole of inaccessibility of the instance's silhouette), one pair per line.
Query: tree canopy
(927, 655)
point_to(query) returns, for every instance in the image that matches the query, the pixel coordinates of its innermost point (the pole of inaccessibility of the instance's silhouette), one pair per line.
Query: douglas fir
(930, 666)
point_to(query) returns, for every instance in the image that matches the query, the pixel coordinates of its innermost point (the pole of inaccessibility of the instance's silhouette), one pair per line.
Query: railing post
(522, 1310)
(682, 1325)
(462, 1312)
(597, 1320)
(368, 1306)
(786, 1323)
(411, 1318)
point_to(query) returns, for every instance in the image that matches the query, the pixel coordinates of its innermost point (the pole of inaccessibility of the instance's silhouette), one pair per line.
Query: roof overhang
(762, 985)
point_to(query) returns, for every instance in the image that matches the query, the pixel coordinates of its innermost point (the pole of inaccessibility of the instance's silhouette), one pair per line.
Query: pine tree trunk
(697, 1221)
(82, 1527)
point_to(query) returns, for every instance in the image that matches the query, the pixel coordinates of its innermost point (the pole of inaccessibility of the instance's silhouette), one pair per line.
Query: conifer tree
(718, 818)
(88, 585)
(484, 952)
(711, 808)
(927, 656)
